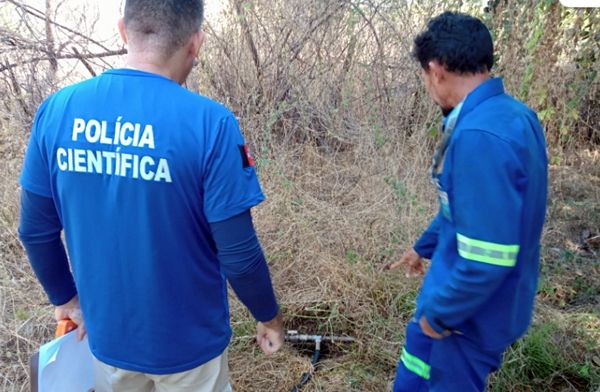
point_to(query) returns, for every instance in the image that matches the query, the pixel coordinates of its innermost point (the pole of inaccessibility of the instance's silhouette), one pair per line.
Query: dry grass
(25, 320)
(330, 223)
(343, 134)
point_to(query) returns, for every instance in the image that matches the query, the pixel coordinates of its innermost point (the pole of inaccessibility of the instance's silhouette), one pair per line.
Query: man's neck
(462, 85)
(153, 65)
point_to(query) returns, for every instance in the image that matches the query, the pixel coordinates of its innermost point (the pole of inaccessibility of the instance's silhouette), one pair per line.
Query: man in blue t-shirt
(153, 186)
(490, 172)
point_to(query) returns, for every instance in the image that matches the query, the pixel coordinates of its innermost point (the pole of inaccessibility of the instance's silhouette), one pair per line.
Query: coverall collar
(487, 89)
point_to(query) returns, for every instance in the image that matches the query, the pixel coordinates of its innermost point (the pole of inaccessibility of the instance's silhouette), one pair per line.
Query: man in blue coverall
(484, 244)
(153, 186)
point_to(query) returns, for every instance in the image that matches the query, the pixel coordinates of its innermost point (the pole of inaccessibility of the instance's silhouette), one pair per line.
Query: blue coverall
(484, 245)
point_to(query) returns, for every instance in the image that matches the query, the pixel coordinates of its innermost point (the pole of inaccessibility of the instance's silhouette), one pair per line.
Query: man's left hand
(427, 330)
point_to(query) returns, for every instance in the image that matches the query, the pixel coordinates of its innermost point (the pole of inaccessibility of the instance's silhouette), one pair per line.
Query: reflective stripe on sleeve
(415, 364)
(487, 252)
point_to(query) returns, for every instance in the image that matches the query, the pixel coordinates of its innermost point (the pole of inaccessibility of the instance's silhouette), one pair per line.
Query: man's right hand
(269, 335)
(411, 261)
(72, 310)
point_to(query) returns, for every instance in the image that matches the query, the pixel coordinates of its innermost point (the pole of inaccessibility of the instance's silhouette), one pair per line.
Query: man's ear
(122, 31)
(196, 43)
(437, 71)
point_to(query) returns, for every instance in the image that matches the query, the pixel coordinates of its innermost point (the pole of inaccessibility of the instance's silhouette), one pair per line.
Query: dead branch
(65, 57)
(17, 91)
(248, 36)
(50, 42)
(41, 15)
(85, 63)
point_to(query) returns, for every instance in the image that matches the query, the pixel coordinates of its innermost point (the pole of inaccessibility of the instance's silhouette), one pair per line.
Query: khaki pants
(212, 376)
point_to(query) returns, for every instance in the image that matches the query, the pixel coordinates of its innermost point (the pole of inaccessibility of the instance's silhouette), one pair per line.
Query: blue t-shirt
(138, 167)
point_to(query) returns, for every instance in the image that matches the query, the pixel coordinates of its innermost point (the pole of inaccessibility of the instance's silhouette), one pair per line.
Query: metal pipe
(294, 337)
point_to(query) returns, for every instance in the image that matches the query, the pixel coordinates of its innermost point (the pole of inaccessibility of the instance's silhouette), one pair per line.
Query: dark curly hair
(460, 42)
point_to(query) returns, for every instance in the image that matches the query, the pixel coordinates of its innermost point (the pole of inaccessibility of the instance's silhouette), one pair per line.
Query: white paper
(66, 365)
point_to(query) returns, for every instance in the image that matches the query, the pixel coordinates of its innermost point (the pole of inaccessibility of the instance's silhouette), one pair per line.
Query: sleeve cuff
(426, 244)
(422, 251)
(265, 316)
(223, 215)
(435, 323)
(61, 297)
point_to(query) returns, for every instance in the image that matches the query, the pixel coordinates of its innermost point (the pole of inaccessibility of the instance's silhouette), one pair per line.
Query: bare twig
(84, 62)
(65, 57)
(40, 15)
(50, 46)
(248, 35)
(17, 90)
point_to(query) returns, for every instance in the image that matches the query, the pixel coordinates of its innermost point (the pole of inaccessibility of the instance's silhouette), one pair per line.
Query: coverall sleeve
(426, 244)
(487, 180)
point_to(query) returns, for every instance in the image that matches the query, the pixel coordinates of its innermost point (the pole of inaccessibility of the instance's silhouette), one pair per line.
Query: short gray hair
(167, 23)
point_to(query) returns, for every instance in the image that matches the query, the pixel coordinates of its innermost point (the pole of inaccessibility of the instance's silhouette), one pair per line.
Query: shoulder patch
(247, 160)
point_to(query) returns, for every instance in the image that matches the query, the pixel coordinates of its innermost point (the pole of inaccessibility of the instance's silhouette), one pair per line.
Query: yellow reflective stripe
(415, 364)
(487, 252)
(487, 245)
